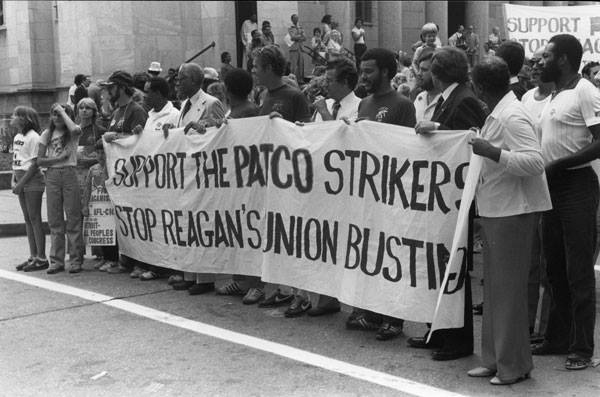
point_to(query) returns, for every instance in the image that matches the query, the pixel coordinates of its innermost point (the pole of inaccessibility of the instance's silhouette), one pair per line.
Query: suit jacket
(203, 106)
(460, 111)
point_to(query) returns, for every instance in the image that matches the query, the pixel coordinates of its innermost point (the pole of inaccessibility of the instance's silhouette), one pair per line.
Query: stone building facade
(44, 43)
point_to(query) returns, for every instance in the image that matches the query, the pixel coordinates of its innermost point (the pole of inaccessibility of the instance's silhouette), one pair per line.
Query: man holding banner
(457, 109)
(570, 127)
(384, 104)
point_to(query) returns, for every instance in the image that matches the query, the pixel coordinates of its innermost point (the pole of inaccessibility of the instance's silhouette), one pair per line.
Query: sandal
(577, 363)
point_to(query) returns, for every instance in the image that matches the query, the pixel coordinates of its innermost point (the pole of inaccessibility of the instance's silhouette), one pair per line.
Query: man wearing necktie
(457, 109)
(341, 77)
(198, 111)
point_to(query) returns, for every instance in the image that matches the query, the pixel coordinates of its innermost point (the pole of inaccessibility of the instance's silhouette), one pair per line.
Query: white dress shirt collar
(449, 90)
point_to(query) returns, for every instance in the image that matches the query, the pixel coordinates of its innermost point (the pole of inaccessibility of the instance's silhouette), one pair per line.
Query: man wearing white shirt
(570, 141)
(248, 26)
(198, 111)
(426, 101)
(341, 78)
(161, 110)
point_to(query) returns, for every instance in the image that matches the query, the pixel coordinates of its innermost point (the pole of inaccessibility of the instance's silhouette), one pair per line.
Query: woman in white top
(511, 193)
(28, 184)
(358, 35)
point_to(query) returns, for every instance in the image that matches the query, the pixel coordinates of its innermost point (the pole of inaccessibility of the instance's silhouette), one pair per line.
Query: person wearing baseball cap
(127, 114)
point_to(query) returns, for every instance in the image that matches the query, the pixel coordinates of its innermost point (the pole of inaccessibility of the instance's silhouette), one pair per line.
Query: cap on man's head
(119, 77)
(211, 73)
(155, 67)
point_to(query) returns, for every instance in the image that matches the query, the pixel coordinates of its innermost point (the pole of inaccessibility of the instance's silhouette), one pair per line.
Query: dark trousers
(110, 252)
(569, 240)
(461, 339)
(359, 50)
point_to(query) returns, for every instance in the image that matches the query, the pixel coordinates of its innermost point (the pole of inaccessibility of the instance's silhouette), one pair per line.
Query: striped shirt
(565, 121)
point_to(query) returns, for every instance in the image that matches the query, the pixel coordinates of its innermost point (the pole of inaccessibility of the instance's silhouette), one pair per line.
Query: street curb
(18, 229)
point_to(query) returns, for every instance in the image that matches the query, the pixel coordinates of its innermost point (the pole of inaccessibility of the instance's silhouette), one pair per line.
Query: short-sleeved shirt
(56, 143)
(86, 149)
(566, 119)
(247, 109)
(361, 39)
(125, 118)
(287, 101)
(390, 108)
(25, 150)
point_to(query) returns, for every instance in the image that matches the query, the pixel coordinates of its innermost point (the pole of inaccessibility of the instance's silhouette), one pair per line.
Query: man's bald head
(190, 79)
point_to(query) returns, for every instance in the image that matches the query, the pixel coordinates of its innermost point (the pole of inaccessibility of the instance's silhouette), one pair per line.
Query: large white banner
(534, 26)
(363, 212)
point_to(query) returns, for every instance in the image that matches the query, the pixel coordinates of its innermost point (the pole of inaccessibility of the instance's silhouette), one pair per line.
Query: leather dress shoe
(201, 288)
(481, 372)
(420, 342)
(546, 349)
(182, 285)
(321, 311)
(446, 355)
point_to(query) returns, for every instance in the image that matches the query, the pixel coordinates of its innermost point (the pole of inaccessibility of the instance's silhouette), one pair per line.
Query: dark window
(364, 11)
(1, 13)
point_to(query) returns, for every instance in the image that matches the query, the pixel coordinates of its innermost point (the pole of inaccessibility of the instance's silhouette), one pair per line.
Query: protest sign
(534, 26)
(363, 212)
(99, 225)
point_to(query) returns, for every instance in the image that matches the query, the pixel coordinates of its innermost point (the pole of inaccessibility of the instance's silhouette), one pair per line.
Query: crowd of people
(536, 125)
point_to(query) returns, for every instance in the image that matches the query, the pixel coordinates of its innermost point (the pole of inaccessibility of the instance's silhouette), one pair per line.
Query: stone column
(390, 30)
(477, 15)
(437, 12)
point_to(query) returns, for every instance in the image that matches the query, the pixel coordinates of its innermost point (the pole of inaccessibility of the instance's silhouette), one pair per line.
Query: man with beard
(127, 114)
(378, 66)
(571, 128)
(535, 100)
(457, 109)
(426, 101)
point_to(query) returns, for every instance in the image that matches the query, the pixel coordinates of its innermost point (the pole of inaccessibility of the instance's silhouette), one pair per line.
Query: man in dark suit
(457, 109)
(513, 54)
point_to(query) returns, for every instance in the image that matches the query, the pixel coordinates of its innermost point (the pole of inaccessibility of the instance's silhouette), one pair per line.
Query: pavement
(145, 339)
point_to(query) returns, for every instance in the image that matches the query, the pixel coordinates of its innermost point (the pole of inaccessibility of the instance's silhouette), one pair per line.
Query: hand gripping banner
(365, 212)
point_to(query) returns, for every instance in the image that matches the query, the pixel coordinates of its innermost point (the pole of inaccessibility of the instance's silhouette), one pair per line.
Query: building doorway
(243, 11)
(456, 16)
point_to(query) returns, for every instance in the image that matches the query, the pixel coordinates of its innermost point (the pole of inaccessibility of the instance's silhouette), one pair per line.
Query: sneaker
(37, 264)
(276, 299)
(254, 295)
(107, 265)
(174, 279)
(361, 323)
(148, 275)
(298, 307)
(233, 288)
(388, 331)
(54, 270)
(22, 266)
(137, 272)
(75, 269)
(99, 263)
(118, 268)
